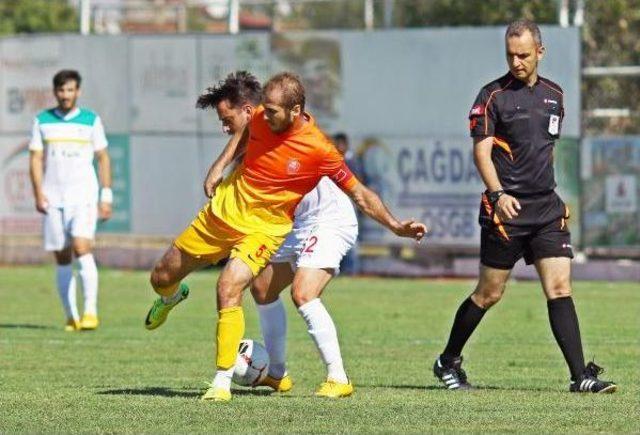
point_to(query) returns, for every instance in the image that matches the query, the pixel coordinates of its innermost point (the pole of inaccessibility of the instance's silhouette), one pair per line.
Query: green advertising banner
(120, 222)
(567, 172)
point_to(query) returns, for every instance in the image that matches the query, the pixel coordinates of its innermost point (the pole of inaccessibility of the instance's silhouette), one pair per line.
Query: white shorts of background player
(62, 224)
(317, 246)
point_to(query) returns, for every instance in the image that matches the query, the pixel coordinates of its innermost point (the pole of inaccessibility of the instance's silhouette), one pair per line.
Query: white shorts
(62, 224)
(318, 246)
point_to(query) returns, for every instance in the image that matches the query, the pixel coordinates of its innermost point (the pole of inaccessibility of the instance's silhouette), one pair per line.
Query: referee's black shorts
(502, 245)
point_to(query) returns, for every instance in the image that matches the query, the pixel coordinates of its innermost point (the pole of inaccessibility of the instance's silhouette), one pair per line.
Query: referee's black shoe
(451, 374)
(589, 382)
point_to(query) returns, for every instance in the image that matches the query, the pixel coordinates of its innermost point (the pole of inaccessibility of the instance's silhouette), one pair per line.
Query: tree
(35, 16)
(610, 37)
(418, 13)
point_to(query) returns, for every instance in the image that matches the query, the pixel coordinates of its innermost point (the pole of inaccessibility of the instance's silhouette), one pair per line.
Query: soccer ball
(252, 363)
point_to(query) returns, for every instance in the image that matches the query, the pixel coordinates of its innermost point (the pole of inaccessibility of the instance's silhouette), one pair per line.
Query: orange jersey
(276, 172)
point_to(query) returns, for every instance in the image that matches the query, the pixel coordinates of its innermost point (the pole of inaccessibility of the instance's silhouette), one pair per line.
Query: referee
(514, 123)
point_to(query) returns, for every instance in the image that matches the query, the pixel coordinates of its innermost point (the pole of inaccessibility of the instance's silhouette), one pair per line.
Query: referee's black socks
(564, 324)
(467, 318)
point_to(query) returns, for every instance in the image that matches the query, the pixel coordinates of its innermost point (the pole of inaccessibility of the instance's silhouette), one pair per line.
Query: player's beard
(286, 124)
(281, 128)
(67, 105)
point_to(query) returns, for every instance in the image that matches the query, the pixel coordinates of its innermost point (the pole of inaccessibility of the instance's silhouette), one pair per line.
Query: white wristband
(106, 195)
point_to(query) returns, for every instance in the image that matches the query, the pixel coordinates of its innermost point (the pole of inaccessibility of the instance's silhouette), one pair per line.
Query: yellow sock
(230, 332)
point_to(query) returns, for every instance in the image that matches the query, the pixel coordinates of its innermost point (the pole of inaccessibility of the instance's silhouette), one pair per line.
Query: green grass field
(122, 378)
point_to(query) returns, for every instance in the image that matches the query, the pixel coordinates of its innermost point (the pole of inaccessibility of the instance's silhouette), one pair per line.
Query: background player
(350, 264)
(66, 138)
(251, 212)
(324, 230)
(515, 121)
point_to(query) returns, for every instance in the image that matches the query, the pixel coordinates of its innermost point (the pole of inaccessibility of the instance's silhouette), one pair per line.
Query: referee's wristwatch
(494, 196)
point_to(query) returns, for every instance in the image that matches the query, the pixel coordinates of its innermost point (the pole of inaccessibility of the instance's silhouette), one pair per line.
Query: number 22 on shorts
(309, 245)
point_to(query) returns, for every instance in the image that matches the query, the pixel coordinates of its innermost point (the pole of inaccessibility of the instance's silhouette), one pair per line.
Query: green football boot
(160, 310)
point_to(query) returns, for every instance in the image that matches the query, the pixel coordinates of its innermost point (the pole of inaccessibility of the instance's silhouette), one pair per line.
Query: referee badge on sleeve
(554, 124)
(477, 110)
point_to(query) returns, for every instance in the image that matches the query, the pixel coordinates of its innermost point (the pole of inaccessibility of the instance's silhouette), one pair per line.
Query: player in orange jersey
(251, 211)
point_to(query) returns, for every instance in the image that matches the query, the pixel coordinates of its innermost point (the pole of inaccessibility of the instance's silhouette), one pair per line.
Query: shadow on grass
(151, 391)
(173, 392)
(438, 387)
(24, 326)
(253, 392)
(492, 387)
(400, 387)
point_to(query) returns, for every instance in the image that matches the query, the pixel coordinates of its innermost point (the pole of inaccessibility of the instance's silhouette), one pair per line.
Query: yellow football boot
(72, 325)
(279, 385)
(89, 322)
(216, 394)
(333, 389)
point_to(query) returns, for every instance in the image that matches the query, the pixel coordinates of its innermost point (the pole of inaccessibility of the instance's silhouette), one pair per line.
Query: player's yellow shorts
(210, 238)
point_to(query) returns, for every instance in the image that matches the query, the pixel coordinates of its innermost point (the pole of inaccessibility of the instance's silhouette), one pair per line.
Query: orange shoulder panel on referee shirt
(276, 172)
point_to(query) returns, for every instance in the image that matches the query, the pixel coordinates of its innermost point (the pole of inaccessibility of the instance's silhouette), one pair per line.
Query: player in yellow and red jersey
(285, 156)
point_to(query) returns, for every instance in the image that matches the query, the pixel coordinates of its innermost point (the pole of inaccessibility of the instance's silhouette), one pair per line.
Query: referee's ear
(541, 50)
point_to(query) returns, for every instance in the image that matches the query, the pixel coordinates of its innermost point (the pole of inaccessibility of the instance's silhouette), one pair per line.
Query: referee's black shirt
(525, 122)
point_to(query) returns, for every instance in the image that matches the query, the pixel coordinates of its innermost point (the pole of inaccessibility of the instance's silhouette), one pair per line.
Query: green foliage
(611, 37)
(418, 13)
(196, 20)
(37, 16)
(612, 32)
(325, 15)
(122, 378)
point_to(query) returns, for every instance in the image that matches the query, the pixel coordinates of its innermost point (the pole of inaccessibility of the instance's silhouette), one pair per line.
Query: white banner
(104, 78)
(400, 87)
(222, 55)
(621, 194)
(430, 180)
(27, 67)
(164, 84)
(166, 184)
(17, 210)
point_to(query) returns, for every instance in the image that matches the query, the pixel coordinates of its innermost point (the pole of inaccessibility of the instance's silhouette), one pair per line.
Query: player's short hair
(292, 89)
(240, 87)
(341, 136)
(66, 75)
(517, 28)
